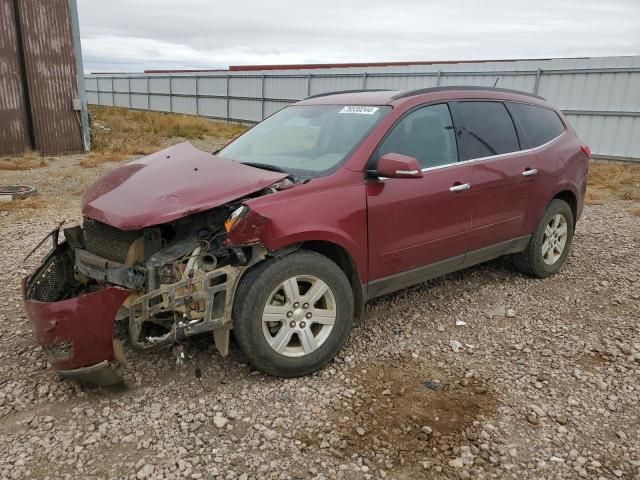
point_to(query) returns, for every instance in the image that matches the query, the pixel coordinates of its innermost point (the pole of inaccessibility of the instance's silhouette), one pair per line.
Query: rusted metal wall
(14, 130)
(51, 74)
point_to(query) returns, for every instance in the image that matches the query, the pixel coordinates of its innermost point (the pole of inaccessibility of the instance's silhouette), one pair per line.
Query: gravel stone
(220, 422)
(550, 392)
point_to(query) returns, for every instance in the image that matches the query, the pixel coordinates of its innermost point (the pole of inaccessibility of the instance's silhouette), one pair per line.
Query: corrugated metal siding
(14, 130)
(51, 74)
(601, 96)
(212, 86)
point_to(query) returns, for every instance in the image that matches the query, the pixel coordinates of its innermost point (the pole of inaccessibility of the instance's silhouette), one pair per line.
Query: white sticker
(361, 109)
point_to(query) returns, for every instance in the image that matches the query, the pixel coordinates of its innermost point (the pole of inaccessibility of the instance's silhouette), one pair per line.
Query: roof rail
(420, 91)
(337, 92)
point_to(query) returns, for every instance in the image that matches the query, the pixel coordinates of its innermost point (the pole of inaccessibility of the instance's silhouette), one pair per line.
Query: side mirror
(396, 165)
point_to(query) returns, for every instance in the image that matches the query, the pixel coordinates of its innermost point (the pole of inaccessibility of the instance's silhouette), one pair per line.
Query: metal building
(42, 100)
(599, 95)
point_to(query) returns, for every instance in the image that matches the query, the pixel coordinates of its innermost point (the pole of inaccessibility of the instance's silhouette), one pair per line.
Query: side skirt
(406, 279)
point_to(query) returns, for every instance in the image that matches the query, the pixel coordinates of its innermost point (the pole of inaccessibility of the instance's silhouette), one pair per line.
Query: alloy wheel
(554, 240)
(299, 316)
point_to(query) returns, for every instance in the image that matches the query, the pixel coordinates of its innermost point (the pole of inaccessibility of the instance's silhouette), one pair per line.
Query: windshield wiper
(266, 166)
(273, 168)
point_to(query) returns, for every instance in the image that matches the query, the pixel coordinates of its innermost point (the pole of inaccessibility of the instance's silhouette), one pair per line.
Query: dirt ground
(546, 383)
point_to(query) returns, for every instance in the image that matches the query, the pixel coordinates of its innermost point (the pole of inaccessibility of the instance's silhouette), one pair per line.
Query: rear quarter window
(540, 125)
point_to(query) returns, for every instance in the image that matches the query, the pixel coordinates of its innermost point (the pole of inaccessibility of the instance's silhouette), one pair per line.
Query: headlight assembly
(237, 215)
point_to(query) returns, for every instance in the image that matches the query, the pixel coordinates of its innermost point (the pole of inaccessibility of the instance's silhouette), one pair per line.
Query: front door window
(426, 134)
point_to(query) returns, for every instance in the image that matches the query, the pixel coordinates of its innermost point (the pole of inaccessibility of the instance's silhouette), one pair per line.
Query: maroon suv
(283, 235)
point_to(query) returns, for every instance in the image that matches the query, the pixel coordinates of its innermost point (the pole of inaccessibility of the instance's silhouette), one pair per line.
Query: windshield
(305, 140)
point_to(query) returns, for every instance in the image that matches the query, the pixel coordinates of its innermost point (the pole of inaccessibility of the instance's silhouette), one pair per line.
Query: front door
(417, 222)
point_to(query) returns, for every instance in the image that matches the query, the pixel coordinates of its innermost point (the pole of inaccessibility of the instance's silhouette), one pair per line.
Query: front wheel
(550, 243)
(293, 314)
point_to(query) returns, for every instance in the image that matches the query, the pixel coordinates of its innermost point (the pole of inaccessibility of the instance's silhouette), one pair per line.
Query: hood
(170, 184)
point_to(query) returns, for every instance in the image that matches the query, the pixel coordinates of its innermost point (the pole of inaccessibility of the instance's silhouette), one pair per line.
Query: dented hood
(170, 184)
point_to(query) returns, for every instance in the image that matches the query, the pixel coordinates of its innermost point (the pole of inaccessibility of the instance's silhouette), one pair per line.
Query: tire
(271, 285)
(532, 261)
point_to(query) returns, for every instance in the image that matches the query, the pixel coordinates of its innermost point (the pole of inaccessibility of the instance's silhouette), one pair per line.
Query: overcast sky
(119, 35)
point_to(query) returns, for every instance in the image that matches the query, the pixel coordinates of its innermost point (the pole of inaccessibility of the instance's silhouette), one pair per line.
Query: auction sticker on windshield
(361, 109)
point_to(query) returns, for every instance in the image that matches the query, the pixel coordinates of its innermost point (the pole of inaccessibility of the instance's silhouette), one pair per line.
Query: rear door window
(540, 125)
(426, 134)
(487, 129)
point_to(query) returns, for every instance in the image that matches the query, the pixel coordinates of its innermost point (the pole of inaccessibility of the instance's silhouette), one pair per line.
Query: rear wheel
(293, 314)
(550, 243)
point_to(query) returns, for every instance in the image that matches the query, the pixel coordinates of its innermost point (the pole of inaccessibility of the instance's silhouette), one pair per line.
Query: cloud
(121, 35)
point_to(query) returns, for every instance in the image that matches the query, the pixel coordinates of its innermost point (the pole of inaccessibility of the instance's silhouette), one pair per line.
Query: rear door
(538, 129)
(504, 177)
(416, 222)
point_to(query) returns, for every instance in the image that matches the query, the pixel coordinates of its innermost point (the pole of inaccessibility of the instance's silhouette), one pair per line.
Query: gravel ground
(545, 383)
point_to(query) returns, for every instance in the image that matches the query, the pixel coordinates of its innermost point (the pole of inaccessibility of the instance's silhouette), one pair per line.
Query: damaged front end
(73, 322)
(168, 282)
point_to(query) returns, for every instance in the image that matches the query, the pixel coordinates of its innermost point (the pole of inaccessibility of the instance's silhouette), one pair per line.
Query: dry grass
(29, 203)
(119, 132)
(28, 161)
(94, 159)
(613, 180)
(128, 132)
(614, 176)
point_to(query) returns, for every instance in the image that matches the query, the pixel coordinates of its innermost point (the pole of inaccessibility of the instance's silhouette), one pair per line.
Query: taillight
(586, 150)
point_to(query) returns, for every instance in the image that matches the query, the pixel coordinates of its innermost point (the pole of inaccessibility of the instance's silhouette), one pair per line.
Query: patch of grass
(28, 161)
(613, 180)
(65, 173)
(129, 132)
(29, 203)
(94, 159)
(614, 176)
(594, 197)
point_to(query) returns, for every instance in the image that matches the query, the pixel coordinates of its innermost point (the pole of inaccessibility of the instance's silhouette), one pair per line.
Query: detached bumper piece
(103, 374)
(76, 332)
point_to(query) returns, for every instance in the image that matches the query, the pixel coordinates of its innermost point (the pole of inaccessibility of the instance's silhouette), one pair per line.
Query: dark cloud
(131, 36)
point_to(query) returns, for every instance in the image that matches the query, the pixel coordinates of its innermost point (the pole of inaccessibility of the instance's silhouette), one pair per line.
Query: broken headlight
(237, 215)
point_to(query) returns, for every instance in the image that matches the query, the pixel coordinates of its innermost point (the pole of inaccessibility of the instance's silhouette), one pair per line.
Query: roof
(387, 97)
(354, 97)
(412, 93)
(310, 66)
(188, 70)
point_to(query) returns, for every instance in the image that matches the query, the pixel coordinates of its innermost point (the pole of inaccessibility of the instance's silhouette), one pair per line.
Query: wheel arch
(333, 252)
(341, 257)
(570, 197)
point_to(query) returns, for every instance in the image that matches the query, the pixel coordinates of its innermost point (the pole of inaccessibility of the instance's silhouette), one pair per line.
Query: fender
(335, 215)
(259, 229)
(326, 235)
(561, 188)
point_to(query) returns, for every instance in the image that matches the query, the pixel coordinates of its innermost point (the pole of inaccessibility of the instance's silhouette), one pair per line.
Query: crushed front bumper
(77, 333)
(73, 297)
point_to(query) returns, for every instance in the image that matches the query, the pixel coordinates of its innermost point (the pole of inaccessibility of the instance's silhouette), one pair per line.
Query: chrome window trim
(493, 157)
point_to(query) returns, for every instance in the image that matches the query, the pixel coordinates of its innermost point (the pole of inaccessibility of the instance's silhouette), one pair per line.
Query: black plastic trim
(406, 279)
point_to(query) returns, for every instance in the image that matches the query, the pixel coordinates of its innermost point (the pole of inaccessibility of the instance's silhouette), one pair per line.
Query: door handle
(460, 187)
(529, 171)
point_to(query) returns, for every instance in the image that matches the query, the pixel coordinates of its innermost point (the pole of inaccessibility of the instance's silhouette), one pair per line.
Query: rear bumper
(77, 334)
